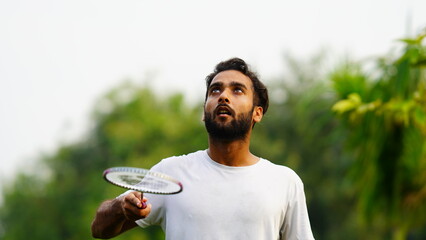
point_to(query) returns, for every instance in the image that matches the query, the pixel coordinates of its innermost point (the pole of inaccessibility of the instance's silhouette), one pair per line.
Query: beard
(237, 129)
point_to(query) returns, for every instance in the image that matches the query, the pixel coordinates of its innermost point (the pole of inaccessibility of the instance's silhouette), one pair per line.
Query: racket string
(142, 180)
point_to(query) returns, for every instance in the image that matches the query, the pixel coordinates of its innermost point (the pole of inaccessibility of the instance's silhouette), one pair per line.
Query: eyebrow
(232, 84)
(214, 85)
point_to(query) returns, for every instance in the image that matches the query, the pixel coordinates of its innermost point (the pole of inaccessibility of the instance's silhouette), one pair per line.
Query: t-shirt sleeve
(296, 223)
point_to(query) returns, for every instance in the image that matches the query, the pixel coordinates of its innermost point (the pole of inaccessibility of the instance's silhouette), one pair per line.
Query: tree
(385, 112)
(300, 131)
(131, 127)
(372, 155)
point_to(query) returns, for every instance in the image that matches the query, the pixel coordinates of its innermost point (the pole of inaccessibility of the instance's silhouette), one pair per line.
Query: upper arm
(296, 222)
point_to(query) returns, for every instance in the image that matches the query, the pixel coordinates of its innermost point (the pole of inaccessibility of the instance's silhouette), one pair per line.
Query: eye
(238, 90)
(214, 90)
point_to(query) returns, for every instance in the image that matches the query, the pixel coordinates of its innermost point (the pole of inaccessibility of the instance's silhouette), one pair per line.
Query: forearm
(110, 220)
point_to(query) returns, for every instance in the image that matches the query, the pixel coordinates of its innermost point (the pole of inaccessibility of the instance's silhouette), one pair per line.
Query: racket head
(142, 180)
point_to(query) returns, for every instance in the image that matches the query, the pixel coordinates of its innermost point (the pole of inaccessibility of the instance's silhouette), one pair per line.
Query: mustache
(224, 106)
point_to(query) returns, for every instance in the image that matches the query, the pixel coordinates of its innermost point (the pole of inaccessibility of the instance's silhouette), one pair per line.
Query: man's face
(229, 113)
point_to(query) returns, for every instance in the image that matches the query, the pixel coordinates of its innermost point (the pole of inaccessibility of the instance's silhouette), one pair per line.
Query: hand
(134, 206)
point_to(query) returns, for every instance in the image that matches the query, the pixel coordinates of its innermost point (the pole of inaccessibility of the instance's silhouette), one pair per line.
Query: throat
(233, 156)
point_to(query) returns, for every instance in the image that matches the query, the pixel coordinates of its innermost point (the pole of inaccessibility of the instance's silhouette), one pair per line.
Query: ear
(203, 117)
(257, 114)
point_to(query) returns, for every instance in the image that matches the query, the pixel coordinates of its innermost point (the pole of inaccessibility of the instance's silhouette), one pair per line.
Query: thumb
(142, 201)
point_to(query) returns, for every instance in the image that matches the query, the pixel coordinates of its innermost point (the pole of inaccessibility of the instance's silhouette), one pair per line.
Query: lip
(223, 107)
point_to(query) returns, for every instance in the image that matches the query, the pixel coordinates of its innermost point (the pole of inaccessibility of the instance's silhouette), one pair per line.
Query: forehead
(232, 76)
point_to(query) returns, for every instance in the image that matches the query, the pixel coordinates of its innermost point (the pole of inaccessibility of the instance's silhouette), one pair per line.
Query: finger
(141, 204)
(144, 204)
(138, 194)
(143, 213)
(142, 200)
(133, 213)
(133, 199)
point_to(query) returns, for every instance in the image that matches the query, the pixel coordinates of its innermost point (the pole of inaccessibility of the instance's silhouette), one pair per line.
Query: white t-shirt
(261, 201)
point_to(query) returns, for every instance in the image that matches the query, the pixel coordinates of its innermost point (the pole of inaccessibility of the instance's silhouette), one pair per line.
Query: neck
(233, 153)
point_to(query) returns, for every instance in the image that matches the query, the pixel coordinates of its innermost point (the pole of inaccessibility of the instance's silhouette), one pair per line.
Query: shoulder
(179, 162)
(183, 158)
(281, 173)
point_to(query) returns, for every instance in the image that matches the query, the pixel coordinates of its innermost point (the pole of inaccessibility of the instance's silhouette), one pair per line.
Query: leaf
(355, 97)
(413, 41)
(345, 105)
(408, 41)
(421, 62)
(420, 117)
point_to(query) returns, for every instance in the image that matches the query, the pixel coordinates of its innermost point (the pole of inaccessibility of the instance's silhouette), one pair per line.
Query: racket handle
(143, 203)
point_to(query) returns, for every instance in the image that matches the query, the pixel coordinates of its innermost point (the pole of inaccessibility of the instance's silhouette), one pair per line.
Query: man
(229, 193)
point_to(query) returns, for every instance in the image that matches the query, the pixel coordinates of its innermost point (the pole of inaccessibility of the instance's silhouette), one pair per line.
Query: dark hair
(260, 92)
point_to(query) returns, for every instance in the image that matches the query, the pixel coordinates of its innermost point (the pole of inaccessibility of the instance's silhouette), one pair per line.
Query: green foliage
(386, 118)
(373, 156)
(132, 127)
(301, 132)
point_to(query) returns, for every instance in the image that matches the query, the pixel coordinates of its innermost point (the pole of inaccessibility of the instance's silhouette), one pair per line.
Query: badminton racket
(142, 180)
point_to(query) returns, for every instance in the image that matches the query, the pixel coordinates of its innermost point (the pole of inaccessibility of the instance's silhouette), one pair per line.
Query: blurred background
(87, 85)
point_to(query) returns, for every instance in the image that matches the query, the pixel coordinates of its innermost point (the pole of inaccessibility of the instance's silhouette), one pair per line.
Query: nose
(223, 98)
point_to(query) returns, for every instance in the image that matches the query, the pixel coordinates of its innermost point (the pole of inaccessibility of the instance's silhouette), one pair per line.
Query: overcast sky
(58, 56)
